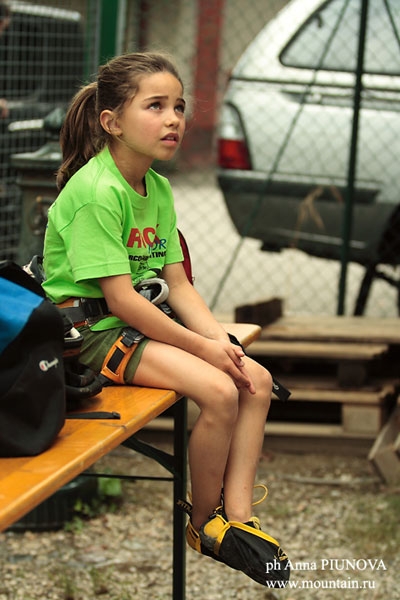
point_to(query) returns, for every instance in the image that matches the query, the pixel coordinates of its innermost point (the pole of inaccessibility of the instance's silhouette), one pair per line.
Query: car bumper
(306, 216)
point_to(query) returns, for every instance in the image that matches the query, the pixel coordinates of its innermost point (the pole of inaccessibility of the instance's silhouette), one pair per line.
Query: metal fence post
(108, 46)
(348, 211)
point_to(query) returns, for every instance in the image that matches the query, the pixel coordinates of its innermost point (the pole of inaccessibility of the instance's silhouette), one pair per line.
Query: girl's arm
(194, 313)
(132, 308)
(189, 306)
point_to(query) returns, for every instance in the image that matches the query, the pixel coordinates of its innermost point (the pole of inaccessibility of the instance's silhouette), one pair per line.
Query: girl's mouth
(171, 137)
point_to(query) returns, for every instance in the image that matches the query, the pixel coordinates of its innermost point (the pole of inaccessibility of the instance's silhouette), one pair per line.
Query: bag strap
(99, 414)
(279, 390)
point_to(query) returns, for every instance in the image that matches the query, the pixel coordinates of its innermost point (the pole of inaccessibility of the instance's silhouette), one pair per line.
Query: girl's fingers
(242, 379)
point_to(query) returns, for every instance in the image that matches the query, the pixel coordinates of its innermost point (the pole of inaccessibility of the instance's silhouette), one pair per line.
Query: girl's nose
(172, 118)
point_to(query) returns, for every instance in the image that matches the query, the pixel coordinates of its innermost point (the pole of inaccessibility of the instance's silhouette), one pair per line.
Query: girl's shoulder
(93, 176)
(158, 183)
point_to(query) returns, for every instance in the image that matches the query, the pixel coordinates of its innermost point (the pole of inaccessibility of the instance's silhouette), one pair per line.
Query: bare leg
(246, 445)
(215, 393)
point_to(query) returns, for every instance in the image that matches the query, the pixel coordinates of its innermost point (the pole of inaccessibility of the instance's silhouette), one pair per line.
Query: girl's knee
(262, 378)
(222, 401)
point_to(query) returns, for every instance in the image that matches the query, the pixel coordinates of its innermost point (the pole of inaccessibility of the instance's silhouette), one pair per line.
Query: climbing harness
(88, 311)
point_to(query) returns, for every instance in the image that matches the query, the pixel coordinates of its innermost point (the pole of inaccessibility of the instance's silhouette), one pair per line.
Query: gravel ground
(337, 522)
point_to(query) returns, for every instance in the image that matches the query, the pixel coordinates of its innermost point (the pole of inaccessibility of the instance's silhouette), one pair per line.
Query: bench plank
(325, 389)
(321, 350)
(246, 333)
(26, 482)
(334, 328)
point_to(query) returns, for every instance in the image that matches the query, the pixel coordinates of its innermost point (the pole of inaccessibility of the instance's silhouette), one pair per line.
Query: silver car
(286, 132)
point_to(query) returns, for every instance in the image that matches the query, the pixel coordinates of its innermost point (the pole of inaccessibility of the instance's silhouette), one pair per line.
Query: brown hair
(117, 82)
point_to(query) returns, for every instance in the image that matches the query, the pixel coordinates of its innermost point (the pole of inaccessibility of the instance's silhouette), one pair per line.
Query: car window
(329, 39)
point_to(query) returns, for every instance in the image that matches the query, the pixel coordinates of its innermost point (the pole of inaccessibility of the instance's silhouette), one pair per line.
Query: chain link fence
(46, 51)
(286, 184)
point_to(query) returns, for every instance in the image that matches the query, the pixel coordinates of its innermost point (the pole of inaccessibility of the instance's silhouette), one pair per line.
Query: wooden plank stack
(343, 372)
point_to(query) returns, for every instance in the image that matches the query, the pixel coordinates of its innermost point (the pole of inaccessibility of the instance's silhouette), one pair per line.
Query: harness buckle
(119, 354)
(94, 309)
(131, 336)
(155, 290)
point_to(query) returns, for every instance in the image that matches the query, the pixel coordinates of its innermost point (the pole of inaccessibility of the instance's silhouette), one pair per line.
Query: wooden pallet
(351, 359)
(341, 373)
(385, 452)
(316, 438)
(358, 410)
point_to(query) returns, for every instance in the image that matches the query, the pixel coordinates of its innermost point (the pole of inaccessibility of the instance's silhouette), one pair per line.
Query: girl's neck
(132, 170)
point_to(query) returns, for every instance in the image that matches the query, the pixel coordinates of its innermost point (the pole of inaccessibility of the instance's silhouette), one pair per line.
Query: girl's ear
(109, 122)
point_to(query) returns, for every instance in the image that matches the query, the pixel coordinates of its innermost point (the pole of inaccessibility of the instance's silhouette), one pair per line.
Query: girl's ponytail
(81, 136)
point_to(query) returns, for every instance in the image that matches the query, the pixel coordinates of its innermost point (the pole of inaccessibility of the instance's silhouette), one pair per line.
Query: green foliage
(107, 500)
(110, 487)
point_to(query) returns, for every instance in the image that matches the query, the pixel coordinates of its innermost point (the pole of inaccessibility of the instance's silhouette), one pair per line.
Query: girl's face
(152, 124)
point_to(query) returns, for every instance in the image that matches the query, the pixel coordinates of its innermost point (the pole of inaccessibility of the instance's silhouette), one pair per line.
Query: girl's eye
(157, 105)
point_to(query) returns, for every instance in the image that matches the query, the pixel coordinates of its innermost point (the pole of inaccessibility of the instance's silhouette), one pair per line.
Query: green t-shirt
(99, 226)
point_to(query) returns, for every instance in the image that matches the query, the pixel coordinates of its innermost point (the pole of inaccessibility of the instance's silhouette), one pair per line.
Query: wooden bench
(26, 482)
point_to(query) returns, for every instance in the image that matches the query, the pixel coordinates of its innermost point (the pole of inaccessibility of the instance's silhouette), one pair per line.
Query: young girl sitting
(112, 226)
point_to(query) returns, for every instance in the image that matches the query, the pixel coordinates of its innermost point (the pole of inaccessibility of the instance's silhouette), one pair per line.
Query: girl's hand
(229, 358)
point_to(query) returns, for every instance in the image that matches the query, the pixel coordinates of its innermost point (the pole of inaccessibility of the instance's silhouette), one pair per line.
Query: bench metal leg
(176, 464)
(180, 488)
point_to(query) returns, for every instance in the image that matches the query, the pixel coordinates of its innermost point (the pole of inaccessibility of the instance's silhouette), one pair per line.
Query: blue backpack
(42, 381)
(32, 381)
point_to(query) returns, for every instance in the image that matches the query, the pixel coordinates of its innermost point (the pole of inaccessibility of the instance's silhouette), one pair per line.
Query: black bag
(32, 381)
